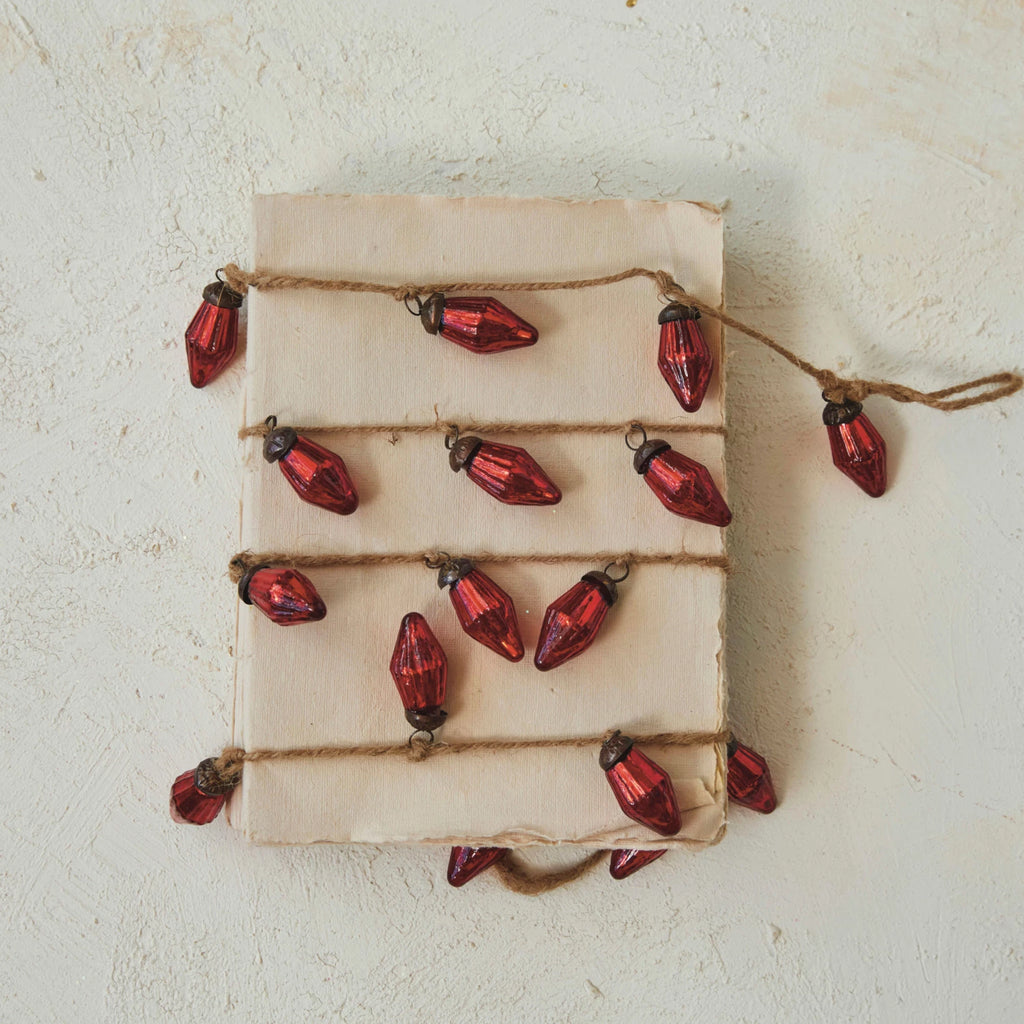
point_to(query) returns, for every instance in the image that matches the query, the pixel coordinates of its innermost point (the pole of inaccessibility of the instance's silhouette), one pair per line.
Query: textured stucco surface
(868, 158)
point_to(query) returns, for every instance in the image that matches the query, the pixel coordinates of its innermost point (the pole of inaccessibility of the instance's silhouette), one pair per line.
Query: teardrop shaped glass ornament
(211, 339)
(749, 780)
(625, 862)
(466, 862)
(572, 621)
(477, 323)
(504, 471)
(484, 610)
(858, 449)
(285, 596)
(317, 474)
(684, 358)
(683, 485)
(642, 787)
(198, 796)
(419, 668)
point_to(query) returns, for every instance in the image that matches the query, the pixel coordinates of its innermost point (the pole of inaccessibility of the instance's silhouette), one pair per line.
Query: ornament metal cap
(837, 413)
(452, 571)
(643, 455)
(678, 311)
(217, 293)
(278, 443)
(431, 312)
(605, 583)
(426, 720)
(614, 749)
(462, 451)
(209, 781)
(243, 583)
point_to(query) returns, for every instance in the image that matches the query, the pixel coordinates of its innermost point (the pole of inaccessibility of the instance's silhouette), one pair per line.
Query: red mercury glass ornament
(197, 796)
(682, 485)
(625, 862)
(318, 475)
(572, 621)
(683, 355)
(420, 671)
(504, 471)
(478, 323)
(211, 339)
(484, 610)
(643, 789)
(285, 596)
(858, 449)
(749, 780)
(466, 862)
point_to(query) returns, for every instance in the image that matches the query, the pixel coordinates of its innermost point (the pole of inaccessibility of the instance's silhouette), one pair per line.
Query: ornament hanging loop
(451, 436)
(442, 558)
(633, 428)
(612, 565)
(418, 311)
(271, 422)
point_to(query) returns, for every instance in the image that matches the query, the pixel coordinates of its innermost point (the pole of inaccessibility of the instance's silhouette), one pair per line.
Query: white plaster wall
(868, 157)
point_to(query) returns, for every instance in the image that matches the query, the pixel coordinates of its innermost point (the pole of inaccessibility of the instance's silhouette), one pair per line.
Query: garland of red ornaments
(486, 612)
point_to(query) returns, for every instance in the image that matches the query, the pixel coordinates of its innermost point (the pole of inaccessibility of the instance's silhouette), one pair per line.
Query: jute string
(245, 560)
(488, 427)
(833, 387)
(513, 874)
(529, 881)
(232, 760)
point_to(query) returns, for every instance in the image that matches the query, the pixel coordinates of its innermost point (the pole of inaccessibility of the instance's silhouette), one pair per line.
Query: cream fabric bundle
(337, 358)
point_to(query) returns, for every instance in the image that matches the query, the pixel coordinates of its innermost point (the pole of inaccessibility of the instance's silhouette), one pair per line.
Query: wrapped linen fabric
(334, 358)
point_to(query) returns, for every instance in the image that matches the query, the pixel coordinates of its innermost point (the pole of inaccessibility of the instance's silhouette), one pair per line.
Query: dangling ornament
(197, 796)
(285, 596)
(643, 789)
(466, 862)
(682, 485)
(504, 471)
(318, 475)
(749, 780)
(683, 355)
(625, 862)
(484, 610)
(419, 668)
(211, 339)
(858, 449)
(572, 621)
(480, 324)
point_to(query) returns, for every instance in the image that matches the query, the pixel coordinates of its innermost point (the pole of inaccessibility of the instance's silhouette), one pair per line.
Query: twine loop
(520, 877)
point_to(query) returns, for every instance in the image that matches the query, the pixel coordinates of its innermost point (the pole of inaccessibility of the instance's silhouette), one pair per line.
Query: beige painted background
(868, 160)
